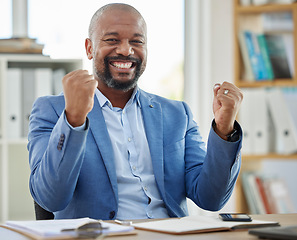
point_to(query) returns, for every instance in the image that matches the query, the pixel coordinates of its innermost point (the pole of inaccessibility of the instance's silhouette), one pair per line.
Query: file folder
(28, 97)
(286, 133)
(245, 119)
(13, 118)
(43, 81)
(261, 131)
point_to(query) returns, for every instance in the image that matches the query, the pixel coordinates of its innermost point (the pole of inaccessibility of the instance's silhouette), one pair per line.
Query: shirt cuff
(79, 128)
(237, 135)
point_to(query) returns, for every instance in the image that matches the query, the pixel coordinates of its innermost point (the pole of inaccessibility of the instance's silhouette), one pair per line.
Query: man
(106, 149)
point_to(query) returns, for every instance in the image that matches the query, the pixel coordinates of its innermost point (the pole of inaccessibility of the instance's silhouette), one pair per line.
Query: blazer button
(111, 214)
(62, 136)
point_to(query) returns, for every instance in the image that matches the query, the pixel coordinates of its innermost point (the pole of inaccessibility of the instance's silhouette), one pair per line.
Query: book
(277, 22)
(278, 55)
(248, 74)
(67, 228)
(198, 224)
(256, 59)
(266, 194)
(265, 55)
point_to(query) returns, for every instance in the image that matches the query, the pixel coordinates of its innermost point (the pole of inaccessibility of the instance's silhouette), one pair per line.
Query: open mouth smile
(122, 65)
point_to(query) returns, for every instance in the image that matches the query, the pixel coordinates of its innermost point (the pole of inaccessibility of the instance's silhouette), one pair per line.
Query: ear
(89, 48)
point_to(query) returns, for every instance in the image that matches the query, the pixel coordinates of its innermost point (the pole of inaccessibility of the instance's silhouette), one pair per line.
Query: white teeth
(122, 65)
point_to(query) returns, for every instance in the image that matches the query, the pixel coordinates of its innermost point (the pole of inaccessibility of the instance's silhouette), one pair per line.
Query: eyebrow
(116, 34)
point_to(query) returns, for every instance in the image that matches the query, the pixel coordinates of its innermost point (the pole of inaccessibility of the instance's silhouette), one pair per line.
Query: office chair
(42, 214)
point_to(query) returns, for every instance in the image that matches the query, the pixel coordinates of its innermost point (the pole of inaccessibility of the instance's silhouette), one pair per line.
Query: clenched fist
(226, 103)
(79, 90)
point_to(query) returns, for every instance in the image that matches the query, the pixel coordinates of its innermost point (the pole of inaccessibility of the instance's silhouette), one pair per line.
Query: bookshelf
(252, 162)
(16, 202)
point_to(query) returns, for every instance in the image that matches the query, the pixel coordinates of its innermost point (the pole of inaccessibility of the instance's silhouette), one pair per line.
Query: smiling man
(106, 149)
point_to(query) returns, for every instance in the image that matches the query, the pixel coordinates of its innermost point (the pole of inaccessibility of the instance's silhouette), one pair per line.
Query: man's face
(119, 49)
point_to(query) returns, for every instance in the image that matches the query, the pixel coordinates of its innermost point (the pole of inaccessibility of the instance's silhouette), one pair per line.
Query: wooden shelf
(265, 83)
(269, 156)
(265, 8)
(241, 14)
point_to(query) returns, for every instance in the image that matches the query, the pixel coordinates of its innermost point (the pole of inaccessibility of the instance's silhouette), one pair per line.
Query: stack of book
(266, 194)
(267, 47)
(20, 45)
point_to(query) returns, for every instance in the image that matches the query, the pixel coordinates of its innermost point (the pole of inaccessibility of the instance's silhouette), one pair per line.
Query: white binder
(286, 134)
(245, 120)
(43, 81)
(261, 132)
(28, 97)
(14, 77)
(58, 75)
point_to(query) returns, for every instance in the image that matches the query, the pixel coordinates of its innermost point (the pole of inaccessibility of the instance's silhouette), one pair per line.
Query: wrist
(75, 120)
(226, 133)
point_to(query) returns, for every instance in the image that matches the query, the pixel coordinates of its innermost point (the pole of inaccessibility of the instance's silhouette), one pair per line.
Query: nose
(124, 48)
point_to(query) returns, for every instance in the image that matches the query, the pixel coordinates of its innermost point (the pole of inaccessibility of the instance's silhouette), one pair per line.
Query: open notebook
(67, 228)
(198, 224)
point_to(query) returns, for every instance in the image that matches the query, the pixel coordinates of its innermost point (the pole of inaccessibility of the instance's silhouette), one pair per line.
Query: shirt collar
(104, 101)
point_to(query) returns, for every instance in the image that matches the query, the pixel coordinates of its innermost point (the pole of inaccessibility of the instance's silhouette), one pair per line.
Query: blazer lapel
(153, 124)
(102, 139)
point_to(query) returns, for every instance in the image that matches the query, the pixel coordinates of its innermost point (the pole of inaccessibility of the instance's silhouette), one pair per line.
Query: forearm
(214, 181)
(55, 163)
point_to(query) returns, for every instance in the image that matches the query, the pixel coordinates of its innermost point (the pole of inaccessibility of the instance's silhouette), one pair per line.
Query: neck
(118, 98)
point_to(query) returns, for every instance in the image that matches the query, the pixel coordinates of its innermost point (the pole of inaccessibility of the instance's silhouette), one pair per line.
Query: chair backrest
(42, 214)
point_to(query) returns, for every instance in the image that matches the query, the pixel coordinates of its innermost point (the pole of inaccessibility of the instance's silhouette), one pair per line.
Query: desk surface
(283, 219)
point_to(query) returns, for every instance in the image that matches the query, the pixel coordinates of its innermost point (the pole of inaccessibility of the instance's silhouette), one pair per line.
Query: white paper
(53, 228)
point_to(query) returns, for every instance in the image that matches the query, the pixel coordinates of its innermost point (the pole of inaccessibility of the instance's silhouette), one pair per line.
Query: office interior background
(190, 48)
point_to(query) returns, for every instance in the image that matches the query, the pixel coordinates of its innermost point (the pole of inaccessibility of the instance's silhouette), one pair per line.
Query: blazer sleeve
(211, 175)
(56, 154)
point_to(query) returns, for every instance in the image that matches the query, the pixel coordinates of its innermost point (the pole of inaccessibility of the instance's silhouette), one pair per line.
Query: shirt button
(129, 139)
(134, 168)
(111, 214)
(145, 188)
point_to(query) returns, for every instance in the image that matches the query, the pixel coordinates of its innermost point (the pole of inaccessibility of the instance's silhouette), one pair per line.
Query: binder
(58, 75)
(245, 119)
(28, 97)
(286, 133)
(261, 130)
(43, 81)
(13, 117)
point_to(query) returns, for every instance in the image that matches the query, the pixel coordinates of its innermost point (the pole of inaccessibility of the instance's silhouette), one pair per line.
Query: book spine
(264, 53)
(255, 56)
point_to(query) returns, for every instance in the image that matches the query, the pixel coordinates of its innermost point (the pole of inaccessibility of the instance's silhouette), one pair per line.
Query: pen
(126, 223)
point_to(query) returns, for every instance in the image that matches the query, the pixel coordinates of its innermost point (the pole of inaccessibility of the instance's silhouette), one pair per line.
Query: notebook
(286, 232)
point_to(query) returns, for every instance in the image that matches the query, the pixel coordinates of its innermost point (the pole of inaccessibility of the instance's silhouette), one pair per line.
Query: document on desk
(66, 228)
(198, 224)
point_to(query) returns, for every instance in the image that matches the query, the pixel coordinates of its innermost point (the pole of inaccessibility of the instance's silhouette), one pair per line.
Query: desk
(283, 219)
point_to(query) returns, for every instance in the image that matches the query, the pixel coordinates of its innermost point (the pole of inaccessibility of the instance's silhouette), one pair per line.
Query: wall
(208, 60)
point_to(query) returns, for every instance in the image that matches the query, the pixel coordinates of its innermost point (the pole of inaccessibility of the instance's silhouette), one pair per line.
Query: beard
(106, 77)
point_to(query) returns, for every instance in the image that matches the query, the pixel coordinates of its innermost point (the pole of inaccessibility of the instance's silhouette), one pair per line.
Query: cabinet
(16, 202)
(242, 15)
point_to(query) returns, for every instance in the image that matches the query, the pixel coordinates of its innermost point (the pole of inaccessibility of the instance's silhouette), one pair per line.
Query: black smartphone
(242, 217)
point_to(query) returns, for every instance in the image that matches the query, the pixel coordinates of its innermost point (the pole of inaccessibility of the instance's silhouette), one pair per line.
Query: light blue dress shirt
(138, 193)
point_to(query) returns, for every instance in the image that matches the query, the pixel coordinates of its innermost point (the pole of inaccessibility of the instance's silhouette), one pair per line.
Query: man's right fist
(79, 90)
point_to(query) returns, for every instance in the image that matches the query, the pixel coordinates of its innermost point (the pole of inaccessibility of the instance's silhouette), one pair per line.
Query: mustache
(123, 58)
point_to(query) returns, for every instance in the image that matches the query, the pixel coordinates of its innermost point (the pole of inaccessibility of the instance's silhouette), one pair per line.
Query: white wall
(208, 60)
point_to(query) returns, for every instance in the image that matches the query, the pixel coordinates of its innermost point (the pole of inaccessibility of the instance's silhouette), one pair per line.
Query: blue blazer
(73, 173)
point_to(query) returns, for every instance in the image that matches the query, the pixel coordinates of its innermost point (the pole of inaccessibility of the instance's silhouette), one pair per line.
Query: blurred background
(191, 46)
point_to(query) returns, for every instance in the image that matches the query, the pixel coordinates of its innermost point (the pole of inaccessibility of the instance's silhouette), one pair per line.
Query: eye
(137, 42)
(111, 40)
